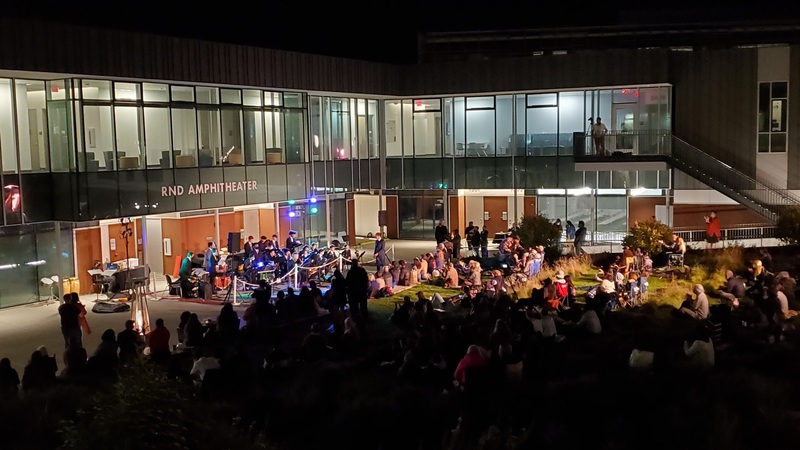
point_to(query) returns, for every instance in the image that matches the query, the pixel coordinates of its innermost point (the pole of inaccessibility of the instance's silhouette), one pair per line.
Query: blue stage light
(313, 200)
(292, 214)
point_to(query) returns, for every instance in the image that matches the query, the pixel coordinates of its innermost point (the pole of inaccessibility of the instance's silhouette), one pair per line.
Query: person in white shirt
(699, 353)
(599, 131)
(202, 364)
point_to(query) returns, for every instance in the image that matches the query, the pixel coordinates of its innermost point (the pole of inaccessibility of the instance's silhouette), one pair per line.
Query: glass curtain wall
(344, 144)
(30, 254)
(522, 141)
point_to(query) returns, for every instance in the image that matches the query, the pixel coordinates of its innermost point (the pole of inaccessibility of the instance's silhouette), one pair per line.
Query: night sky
(378, 31)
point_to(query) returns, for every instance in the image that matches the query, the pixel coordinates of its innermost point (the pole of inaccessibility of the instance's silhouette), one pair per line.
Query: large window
(393, 128)
(541, 136)
(254, 136)
(427, 127)
(273, 135)
(295, 136)
(340, 128)
(98, 137)
(129, 137)
(32, 123)
(232, 133)
(157, 137)
(184, 137)
(8, 144)
(209, 152)
(480, 123)
(772, 112)
(60, 116)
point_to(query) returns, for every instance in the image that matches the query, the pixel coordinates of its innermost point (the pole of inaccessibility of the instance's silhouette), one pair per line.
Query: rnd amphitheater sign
(208, 188)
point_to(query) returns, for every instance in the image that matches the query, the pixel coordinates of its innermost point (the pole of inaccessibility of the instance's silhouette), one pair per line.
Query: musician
(249, 247)
(185, 276)
(287, 263)
(291, 241)
(261, 245)
(275, 244)
(210, 260)
(346, 253)
(380, 251)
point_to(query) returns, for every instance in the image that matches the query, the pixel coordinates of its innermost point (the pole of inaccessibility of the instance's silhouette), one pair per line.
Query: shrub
(538, 230)
(648, 236)
(787, 228)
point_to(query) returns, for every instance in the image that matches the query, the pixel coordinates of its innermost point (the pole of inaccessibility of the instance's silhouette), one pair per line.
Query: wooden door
(87, 250)
(495, 206)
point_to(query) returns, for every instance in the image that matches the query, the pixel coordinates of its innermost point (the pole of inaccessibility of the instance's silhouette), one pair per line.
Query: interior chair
(173, 285)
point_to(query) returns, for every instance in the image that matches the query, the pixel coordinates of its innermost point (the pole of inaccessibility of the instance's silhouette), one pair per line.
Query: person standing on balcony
(599, 131)
(713, 232)
(580, 238)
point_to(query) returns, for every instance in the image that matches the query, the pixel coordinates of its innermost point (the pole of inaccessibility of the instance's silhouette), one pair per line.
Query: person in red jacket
(713, 233)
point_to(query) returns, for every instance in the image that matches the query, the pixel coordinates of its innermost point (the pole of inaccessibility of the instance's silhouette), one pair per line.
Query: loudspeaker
(383, 218)
(234, 242)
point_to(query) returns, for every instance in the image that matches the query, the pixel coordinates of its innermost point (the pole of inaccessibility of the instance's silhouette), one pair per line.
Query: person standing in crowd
(484, 240)
(599, 131)
(210, 259)
(713, 232)
(249, 247)
(469, 234)
(455, 239)
(357, 289)
(70, 320)
(570, 229)
(440, 232)
(87, 330)
(292, 242)
(380, 251)
(580, 238)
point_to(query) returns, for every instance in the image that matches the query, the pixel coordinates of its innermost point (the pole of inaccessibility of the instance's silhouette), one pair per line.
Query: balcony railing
(760, 196)
(640, 143)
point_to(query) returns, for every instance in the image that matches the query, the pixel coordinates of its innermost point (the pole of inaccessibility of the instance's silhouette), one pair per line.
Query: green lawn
(382, 308)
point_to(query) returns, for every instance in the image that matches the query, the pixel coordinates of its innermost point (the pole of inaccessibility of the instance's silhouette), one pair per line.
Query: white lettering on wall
(208, 188)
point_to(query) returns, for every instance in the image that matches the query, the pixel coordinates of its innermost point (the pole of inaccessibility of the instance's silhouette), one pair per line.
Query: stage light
(314, 210)
(292, 214)
(291, 202)
(260, 264)
(313, 200)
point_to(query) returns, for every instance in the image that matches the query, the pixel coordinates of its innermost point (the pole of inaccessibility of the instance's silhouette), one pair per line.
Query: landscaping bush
(787, 228)
(648, 236)
(538, 230)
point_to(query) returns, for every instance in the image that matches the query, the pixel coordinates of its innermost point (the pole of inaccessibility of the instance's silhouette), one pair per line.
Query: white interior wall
(98, 118)
(7, 140)
(701, 197)
(366, 212)
(152, 244)
(105, 246)
(392, 129)
(127, 131)
(473, 210)
(157, 135)
(252, 224)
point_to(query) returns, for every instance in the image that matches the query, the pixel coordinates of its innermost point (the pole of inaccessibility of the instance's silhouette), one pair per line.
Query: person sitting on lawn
(697, 307)
(451, 276)
(474, 275)
(734, 291)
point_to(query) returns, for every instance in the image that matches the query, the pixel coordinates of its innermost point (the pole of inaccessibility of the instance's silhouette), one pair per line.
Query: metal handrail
(678, 152)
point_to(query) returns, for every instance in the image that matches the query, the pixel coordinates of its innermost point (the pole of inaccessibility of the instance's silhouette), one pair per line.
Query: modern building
(192, 140)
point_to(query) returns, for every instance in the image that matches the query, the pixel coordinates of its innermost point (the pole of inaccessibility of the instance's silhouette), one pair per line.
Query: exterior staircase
(760, 196)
